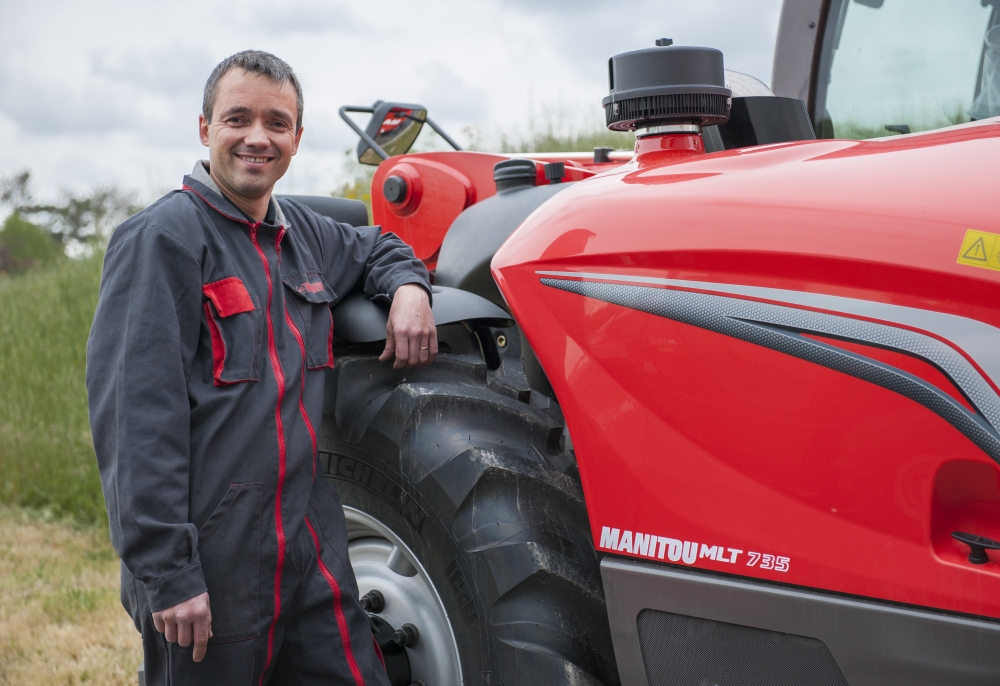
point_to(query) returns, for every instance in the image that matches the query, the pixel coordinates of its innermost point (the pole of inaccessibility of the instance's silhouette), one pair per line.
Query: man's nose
(257, 136)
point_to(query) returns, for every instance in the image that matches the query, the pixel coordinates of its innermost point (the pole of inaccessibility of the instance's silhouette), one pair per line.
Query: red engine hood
(688, 431)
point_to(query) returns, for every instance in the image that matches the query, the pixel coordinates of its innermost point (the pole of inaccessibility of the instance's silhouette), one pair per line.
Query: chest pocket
(235, 324)
(310, 317)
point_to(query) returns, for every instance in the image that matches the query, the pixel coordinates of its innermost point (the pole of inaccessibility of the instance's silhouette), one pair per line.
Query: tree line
(37, 233)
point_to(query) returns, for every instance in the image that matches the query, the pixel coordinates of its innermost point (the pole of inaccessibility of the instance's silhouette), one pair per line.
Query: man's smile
(254, 159)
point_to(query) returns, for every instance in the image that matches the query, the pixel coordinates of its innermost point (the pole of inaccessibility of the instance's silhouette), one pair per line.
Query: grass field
(60, 618)
(46, 453)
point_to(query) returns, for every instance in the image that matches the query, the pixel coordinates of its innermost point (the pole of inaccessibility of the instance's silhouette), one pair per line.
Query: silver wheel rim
(382, 562)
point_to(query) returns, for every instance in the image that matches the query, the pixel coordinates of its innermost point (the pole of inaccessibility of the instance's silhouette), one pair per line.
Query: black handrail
(370, 142)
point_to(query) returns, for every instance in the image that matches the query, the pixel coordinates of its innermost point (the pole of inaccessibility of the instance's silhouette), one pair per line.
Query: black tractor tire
(476, 480)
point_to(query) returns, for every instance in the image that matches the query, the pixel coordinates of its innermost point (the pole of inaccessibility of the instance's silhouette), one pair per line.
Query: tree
(24, 245)
(78, 222)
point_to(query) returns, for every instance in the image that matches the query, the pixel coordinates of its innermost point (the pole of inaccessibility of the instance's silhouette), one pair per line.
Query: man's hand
(410, 331)
(185, 621)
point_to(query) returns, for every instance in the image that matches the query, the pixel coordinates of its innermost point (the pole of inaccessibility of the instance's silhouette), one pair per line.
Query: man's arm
(139, 357)
(385, 266)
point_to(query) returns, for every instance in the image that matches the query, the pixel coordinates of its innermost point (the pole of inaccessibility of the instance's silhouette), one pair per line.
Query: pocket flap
(229, 296)
(310, 286)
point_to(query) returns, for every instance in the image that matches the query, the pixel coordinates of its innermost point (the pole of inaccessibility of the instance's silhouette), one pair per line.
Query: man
(205, 377)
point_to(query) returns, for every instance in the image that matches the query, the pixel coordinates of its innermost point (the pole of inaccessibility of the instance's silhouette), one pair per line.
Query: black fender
(359, 319)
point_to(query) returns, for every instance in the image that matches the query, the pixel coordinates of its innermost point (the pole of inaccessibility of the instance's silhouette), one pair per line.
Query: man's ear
(203, 129)
(298, 139)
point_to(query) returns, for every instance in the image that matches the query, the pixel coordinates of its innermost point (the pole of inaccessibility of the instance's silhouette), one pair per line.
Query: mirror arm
(369, 141)
(441, 133)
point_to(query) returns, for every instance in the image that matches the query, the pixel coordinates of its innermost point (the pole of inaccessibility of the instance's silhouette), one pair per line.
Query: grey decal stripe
(939, 354)
(978, 340)
(762, 324)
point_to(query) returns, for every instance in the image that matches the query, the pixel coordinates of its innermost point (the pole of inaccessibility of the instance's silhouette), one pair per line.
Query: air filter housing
(672, 84)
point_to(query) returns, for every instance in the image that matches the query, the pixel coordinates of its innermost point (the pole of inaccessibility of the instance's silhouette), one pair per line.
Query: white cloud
(110, 90)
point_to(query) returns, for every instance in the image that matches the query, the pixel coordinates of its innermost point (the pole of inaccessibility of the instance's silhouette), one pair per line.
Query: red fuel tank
(782, 362)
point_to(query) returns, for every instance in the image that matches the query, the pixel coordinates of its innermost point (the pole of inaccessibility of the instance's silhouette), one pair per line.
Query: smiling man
(205, 377)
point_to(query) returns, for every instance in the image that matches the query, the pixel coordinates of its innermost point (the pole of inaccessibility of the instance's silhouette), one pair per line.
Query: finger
(170, 630)
(390, 344)
(183, 634)
(402, 351)
(413, 342)
(158, 621)
(434, 345)
(424, 353)
(202, 632)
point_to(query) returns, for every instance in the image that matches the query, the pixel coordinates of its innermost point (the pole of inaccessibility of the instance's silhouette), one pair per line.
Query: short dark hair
(252, 62)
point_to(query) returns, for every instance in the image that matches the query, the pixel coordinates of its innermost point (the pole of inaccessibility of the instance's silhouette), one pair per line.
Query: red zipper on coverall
(279, 377)
(338, 610)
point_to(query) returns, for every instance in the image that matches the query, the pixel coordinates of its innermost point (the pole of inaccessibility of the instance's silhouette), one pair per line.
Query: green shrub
(46, 452)
(24, 245)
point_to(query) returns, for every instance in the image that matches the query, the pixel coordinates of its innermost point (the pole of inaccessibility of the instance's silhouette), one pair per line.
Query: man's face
(251, 138)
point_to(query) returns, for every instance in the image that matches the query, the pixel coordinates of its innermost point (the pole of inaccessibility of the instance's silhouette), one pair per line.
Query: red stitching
(329, 348)
(329, 344)
(186, 187)
(338, 609)
(302, 386)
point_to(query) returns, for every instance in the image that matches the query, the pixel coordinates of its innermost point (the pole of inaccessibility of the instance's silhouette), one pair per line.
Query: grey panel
(874, 644)
(747, 319)
(678, 650)
(358, 319)
(794, 48)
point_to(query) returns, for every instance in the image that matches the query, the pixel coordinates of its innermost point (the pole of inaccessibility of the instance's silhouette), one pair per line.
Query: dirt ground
(61, 622)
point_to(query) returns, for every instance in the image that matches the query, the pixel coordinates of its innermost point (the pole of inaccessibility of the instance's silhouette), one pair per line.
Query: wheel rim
(382, 561)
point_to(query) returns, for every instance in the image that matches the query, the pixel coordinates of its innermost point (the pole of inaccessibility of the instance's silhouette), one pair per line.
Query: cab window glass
(898, 66)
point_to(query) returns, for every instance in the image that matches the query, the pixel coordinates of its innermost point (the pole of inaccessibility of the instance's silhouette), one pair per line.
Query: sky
(109, 91)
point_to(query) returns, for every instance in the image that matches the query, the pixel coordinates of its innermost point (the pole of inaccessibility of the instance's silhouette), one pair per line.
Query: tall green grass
(46, 452)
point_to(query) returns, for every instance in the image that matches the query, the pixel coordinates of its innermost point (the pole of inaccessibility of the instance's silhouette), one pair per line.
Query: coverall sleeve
(378, 263)
(139, 356)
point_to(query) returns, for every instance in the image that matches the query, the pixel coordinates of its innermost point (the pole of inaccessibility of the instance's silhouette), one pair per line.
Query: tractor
(720, 409)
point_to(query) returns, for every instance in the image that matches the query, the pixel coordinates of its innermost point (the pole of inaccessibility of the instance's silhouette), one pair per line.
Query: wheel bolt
(373, 601)
(407, 636)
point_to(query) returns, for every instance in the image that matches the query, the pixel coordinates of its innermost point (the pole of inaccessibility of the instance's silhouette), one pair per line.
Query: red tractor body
(440, 185)
(759, 462)
(791, 464)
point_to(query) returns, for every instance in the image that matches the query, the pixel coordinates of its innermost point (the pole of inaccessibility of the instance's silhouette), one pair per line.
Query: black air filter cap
(673, 84)
(514, 173)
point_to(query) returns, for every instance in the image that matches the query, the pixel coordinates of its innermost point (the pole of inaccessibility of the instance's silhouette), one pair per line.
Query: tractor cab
(872, 68)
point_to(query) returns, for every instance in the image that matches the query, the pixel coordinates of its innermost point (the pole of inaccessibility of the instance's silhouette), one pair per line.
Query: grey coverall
(205, 380)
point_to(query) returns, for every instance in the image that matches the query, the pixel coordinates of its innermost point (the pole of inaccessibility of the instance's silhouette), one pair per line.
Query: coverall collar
(201, 182)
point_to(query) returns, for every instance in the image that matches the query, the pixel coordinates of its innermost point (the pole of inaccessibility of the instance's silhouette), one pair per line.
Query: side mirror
(394, 127)
(391, 131)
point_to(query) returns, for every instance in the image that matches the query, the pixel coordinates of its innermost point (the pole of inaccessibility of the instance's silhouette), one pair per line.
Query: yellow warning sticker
(980, 249)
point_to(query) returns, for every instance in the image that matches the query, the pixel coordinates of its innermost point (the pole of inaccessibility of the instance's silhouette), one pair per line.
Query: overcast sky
(109, 91)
